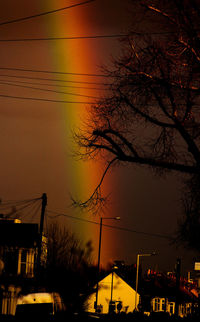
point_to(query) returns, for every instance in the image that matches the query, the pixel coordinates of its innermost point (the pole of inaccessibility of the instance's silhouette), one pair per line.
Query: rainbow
(80, 56)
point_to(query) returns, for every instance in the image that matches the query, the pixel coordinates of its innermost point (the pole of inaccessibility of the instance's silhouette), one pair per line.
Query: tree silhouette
(152, 115)
(68, 266)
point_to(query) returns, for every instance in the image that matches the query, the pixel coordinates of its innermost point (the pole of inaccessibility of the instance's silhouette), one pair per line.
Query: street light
(111, 294)
(99, 254)
(137, 271)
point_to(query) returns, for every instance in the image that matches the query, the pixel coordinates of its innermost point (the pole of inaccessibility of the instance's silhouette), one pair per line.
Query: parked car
(39, 304)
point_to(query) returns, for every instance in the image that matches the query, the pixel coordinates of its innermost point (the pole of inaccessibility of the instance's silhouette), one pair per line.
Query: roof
(18, 235)
(117, 275)
(163, 286)
(159, 285)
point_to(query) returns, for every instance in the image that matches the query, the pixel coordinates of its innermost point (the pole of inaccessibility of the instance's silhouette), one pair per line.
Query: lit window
(23, 261)
(157, 304)
(171, 307)
(163, 305)
(26, 262)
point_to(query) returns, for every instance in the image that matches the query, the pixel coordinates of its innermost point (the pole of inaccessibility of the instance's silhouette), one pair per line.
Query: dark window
(11, 261)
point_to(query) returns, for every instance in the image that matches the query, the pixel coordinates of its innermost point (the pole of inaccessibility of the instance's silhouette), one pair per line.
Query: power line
(16, 202)
(54, 72)
(66, 38)
(44, 100)
(105, 36)
(47, 90)
(16, 210)
(45, 13)
(14, 207)
(27, 213)
(110, 226)
(56, 80)
(57, 85)
(33, 211)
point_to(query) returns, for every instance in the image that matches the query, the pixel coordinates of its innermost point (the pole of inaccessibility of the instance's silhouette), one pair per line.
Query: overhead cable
(18, 201)
(33, 212)
(47, 90)
(58, 85)
(56, 80)
(65, 38)
(45, 13)
(53, 72)
(17, 210)
(104, 36)
(44, 100)
(110, 226)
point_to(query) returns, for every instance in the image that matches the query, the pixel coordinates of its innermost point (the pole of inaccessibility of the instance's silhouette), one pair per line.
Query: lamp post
(111, 294)
(137, 271)
(99, 254)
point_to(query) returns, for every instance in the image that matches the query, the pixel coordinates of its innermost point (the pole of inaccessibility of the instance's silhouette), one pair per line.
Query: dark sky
(35, 150)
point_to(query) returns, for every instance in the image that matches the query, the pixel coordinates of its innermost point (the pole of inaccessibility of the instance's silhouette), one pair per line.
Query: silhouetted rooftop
(18, 235)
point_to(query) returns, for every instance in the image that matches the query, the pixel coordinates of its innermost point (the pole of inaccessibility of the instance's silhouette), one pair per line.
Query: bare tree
(152, 115)
(69, 267)
(65, 249)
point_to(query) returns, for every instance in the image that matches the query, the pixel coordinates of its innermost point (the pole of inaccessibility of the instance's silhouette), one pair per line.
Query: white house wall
(121, 292)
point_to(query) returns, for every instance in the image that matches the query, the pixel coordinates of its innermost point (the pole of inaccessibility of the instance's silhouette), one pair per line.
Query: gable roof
(116, 276)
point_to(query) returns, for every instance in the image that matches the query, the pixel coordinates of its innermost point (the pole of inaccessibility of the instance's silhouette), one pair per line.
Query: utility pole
(178, 276)
(44, 203)
(98, 265)
(99, 255)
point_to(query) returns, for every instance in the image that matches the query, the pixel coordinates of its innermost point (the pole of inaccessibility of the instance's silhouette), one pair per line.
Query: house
(114, 294)
(18, 253)
(167, 304)
(158, 294)
(160, 304)
(161, 291)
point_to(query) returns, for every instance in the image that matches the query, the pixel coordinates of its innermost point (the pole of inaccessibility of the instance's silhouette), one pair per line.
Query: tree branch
(146, 116)
(162, 164)
(96, 200)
